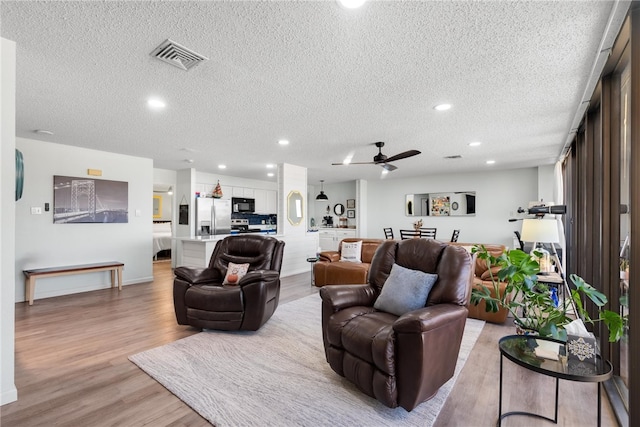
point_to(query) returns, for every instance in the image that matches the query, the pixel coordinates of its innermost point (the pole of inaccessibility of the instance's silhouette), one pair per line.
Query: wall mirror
(338, 209)
(157, 206)
(294, 208)
(458, 203)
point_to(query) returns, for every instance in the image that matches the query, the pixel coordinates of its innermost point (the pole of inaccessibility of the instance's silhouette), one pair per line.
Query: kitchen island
(196, 251)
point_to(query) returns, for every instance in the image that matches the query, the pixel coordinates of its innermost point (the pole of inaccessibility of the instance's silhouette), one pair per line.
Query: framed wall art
(351, 203)
(351, 214)
(88, 200)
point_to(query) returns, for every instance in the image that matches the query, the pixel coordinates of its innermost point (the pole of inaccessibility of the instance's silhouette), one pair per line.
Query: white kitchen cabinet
(248, 192)
(329, 238)
(237, 191)
(260, 197)
(272, 202)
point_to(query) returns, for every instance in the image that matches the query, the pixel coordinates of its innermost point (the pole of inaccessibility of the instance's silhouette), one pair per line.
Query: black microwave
(241, 205)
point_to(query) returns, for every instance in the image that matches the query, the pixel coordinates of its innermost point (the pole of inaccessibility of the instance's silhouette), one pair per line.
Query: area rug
(278, 376)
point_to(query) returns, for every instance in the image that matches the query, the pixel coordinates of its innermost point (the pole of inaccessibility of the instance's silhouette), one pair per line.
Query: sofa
(330, 270)
(396, 339)
(482, 276)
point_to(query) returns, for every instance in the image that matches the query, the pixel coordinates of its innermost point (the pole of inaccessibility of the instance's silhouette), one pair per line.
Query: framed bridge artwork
(88, 200)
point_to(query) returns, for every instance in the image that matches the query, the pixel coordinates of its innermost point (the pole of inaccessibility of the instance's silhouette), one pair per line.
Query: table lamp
(541, 231)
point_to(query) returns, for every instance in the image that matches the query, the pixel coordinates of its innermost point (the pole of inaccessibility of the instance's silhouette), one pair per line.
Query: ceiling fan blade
(388, 167)
(354, 163)
(403, 155)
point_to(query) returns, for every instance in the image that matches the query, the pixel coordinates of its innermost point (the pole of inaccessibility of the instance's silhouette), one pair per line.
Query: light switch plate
(36, 210)
(138, 212)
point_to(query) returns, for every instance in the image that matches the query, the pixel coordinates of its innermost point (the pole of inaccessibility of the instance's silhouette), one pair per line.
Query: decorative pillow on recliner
(405, 290)
(235, 272)
(351, 251)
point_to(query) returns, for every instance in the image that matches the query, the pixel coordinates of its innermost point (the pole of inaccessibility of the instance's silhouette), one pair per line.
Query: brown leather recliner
(329, 270)
(400, 360)
(201, 300)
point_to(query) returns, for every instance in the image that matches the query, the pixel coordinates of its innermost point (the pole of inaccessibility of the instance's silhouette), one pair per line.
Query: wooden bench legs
(32, 275)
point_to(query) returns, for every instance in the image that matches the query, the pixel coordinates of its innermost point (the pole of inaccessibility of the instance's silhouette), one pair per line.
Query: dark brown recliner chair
(400, 360)
(201, 300)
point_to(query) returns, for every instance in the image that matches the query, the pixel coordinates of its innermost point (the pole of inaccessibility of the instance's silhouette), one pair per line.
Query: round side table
(312, 261)
(520, 349)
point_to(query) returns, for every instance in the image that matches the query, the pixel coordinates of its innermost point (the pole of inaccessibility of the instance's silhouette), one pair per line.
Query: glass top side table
(520, 349)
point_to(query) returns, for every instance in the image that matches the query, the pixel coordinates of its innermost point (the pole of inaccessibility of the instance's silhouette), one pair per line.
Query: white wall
(299, 244)
(545, 184)
(206, 182)
(498, 195)
(8, 392)
(41, 243)
(337, 193)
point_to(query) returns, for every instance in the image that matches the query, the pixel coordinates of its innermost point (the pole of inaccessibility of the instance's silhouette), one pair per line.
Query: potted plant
(533, 306)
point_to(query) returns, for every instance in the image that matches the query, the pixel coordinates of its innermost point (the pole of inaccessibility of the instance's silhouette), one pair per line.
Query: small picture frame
(351, 214)
(351, 204)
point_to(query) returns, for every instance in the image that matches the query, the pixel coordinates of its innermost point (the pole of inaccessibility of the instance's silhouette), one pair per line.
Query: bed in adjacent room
(161, 237)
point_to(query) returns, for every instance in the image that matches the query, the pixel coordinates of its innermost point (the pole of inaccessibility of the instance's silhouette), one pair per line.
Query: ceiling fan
(383, 160)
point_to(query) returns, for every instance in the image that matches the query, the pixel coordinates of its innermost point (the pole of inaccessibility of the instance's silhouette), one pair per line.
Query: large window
(602, 174)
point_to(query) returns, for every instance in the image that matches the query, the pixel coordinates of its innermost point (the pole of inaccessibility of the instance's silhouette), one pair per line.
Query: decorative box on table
(582, 348)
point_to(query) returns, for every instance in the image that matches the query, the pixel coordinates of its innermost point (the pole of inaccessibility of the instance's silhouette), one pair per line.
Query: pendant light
(322, 196)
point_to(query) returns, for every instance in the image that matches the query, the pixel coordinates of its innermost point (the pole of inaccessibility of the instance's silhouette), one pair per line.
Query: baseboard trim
(9, 396)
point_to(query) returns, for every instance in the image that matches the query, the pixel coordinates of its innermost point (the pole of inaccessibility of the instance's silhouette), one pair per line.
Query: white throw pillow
(351, 251)
(235, 272)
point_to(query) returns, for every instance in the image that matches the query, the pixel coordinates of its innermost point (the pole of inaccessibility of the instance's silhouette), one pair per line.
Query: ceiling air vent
(177, 55)
(455, 156)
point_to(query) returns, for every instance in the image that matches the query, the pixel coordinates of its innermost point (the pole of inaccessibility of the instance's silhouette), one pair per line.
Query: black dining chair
(429, 233)
(409, 234)
(455, 235)
(388, 233)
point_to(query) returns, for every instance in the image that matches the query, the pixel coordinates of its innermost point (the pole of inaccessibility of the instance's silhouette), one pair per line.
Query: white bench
(33, 274)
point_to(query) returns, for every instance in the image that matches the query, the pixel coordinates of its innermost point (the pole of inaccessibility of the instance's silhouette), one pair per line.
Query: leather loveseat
(482, 276)
(400, 358)
(329, 270)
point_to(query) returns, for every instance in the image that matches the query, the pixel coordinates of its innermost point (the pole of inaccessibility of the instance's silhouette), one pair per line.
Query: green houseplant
(531, 304)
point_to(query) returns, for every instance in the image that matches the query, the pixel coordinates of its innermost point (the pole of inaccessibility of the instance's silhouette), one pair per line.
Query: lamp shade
(540, 230)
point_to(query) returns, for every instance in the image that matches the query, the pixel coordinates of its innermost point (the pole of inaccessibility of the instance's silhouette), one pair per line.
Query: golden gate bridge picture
(82, 200)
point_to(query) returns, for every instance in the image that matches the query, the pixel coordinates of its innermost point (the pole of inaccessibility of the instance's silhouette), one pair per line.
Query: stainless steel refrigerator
(213, 216)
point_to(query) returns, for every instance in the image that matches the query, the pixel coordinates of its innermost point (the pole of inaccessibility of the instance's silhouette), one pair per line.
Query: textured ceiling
(330, 80)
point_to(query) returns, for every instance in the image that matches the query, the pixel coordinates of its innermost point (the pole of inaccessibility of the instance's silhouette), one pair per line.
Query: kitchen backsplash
(256, 219)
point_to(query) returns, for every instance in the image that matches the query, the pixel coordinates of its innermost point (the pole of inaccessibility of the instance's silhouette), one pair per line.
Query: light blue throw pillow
(404, 290)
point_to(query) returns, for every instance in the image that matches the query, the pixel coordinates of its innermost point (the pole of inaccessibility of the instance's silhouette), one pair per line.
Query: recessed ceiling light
(270, 166)
(475, 144)
(283, 142)
(351, 4)
(156, 104)
(44, 132)
(188, 160)
(490, 162)
(270, 174)
(222, 166)
(442, 107)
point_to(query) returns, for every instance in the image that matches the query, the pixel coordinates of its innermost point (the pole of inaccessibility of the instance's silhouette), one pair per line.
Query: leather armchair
(400, 360)
(201, 300)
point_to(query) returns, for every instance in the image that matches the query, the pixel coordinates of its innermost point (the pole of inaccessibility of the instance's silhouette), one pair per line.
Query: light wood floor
(72, 367)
